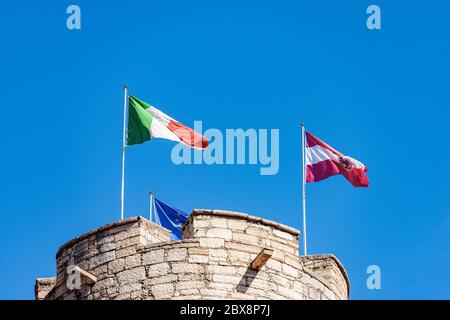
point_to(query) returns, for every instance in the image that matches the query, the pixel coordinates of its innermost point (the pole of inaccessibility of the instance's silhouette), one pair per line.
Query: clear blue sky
(379, 96)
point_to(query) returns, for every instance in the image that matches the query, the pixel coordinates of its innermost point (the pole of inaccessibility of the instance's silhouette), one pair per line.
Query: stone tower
(223, 254)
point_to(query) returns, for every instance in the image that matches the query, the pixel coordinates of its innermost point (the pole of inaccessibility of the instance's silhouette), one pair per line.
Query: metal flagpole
(151, 206)
(305, 252)
(125, 90)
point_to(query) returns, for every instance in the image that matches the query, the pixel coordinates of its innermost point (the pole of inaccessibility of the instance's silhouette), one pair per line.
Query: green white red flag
(145, 122)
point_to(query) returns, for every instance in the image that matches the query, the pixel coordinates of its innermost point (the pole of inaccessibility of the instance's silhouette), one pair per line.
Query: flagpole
(151, 206)
(125, 90)
(305, 252)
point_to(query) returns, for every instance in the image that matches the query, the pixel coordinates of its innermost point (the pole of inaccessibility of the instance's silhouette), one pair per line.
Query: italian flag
(146, 122)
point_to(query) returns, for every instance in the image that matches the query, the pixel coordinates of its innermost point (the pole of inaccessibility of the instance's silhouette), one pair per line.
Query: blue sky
(380, 96)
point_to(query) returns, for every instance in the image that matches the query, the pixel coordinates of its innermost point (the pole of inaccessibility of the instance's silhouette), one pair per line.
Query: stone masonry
(135, 259)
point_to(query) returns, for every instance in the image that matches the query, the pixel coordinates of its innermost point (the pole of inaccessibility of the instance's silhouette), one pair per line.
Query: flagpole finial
(125, 85)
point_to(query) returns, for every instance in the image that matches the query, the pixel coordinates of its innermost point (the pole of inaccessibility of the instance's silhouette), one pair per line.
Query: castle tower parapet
(135, 259)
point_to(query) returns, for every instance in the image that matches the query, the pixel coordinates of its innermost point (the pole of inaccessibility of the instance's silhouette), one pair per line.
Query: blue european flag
(170, 218)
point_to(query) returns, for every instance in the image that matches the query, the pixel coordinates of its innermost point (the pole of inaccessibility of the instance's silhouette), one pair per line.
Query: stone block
(217, 253)
(130, 288)
(218, 222)
(102, 258)
(200, 223)
(213, 293)
(104, 284)
(198, 251)
(226, 270)
(168, 278)
(107, 247)
(126, 251)
(242, 247)
(212, 243)
(152, 257)
(188, 292)
(116, 266)
(236, 224)
(288, 270)
(132, 261)
(283, 235)
(177, 254)
(190, 285)
(249, 239)
(221, 278)
(157, 270)
(163, 291)
(274, 264)
(131, 275)
(240, 256)
(257, 231)
(182, 267)
(219, 233)
(198, 259)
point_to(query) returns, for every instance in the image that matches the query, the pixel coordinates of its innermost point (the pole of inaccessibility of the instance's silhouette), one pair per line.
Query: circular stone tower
(223, 254)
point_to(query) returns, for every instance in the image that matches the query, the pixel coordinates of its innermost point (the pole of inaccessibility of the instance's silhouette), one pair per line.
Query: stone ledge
(105, 228)
(186, 243)
(244, 216)
(43, 286)
(326, 257)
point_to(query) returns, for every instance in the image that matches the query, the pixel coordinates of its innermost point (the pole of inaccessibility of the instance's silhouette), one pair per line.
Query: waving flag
(170, 218)
(146, 122)
(322, 161)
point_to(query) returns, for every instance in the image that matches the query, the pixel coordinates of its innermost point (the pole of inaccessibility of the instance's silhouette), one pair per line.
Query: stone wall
(134, 259)
(43, 286)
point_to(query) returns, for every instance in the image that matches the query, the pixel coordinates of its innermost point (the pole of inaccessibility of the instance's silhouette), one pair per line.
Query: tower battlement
(223, 255)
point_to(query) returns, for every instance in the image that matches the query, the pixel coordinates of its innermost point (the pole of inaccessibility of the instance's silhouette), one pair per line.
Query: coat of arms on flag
(323, 161)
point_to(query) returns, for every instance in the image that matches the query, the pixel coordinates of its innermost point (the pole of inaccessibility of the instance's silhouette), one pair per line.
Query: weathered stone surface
(163, 291)
(155, 256)
(287, 269)
(212, 243)
(220, 278)
(131, 275)
(134, 259)
(107, 247)
(104, 284)
(130, 288)
(161, 279)
(198, 259)
(217, 255)
(219, 233)
(186, 268)
(116, 266)
(283, 235)
(235, 224)
(190, 285)
(157, 270)
(274, 264)
(124, 252)
(227, 270)
(43, 286)
(102, 258)
(177, 254)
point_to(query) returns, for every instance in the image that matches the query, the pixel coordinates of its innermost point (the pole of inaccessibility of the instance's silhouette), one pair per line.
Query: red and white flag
(322, 161)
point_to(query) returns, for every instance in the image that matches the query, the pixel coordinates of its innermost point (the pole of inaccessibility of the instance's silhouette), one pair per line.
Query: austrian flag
(322, 161)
